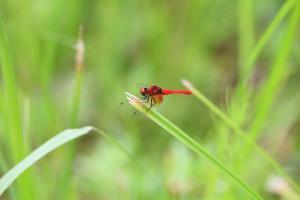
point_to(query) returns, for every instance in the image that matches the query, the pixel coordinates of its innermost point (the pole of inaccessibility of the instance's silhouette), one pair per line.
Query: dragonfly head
(144, 91)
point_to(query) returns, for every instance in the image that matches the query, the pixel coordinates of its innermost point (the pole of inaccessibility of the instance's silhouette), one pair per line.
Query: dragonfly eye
(144, 91)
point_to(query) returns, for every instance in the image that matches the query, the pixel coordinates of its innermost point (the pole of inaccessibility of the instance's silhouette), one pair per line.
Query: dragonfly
(154, 94)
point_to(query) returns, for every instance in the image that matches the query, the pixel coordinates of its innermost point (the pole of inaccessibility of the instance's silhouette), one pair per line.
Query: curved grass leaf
(52, 144)
(40, 152)
(188, 141)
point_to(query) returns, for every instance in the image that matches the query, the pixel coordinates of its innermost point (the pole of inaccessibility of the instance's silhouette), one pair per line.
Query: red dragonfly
(155, 94)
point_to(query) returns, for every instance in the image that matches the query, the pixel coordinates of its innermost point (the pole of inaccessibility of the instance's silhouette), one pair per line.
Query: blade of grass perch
(187, 141)
(52, 144)
(241, 133)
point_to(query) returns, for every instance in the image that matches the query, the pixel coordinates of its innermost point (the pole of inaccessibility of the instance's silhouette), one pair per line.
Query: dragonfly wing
(158, 98)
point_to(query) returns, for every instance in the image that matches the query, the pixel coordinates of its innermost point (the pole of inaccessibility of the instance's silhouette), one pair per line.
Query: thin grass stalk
(66, 189)
(243, 89)
(244, 136)
(277, 74)
(266, 36)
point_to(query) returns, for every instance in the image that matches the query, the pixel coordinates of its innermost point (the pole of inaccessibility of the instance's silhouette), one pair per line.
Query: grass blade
(283, 12)
(40, 152)
(12, 120)
(188, 141)
(277, 74)
(241, 133)
(79, 66)
(11, 108)
(52, 144)
(65, 188)
(246, 31)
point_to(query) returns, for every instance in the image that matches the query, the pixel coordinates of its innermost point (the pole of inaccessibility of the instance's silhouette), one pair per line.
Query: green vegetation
(66, 65)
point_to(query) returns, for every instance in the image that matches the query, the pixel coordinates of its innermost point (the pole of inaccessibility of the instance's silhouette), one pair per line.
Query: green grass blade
(277, 74)
(11, 105)
(241, 133)
(79, 66)
(40, 152)
(283, 12)
(12, 120)
(188, 141)
(246, 31)
(52, 144)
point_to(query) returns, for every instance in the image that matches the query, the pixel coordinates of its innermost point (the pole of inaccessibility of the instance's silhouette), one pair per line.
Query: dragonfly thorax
(154, 90)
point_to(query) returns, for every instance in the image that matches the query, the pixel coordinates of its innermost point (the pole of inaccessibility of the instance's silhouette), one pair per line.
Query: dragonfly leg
(150, 104)
(134, 114)
(153, 100)
(145, 99)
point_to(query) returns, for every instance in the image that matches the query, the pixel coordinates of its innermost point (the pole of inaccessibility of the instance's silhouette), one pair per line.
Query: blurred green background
(149, 42)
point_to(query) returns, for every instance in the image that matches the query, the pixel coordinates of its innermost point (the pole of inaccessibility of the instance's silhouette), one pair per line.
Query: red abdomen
(166, 92)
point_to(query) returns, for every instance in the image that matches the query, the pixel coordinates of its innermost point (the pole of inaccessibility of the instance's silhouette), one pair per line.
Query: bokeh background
(151, 42)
